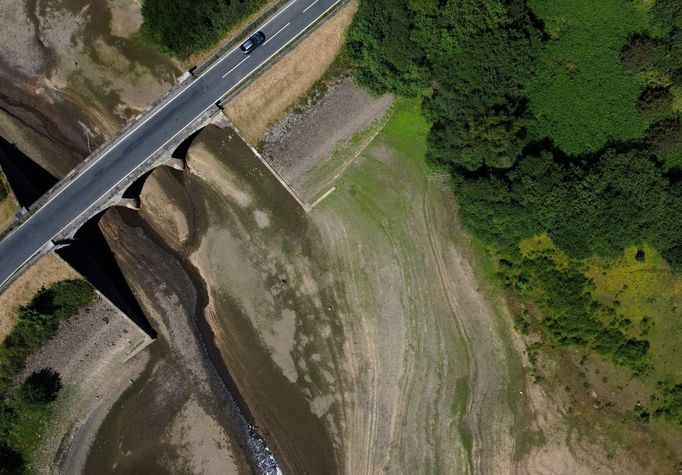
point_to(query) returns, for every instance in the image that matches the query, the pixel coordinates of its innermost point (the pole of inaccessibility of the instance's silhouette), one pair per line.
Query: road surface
(97, 180)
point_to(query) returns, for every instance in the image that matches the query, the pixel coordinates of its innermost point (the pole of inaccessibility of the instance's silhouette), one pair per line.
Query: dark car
(254, 40)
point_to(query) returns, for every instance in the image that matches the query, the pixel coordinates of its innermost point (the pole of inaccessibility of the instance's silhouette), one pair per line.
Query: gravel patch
(301, 140)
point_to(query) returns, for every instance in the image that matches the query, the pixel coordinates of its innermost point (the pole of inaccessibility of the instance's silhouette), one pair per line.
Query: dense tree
(472, 56)
(665, 136)
(41, 387)
(182, 27)
(561, 123)
(655, 102)
(642, 53)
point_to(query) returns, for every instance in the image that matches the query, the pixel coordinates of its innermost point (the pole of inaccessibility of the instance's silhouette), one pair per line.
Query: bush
(670, 407)
(571, 316)
(664, 136)
(11, 461)
(655, 102)
(41, 387)
(642, 53)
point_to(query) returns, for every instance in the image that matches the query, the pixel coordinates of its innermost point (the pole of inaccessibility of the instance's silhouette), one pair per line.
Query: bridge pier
(176, 163)
(131, 203)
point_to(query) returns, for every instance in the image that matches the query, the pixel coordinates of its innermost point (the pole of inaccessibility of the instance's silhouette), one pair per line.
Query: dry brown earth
(149, 428)
(337, 323)
(74, 71)
(49, 269)
(265, 101)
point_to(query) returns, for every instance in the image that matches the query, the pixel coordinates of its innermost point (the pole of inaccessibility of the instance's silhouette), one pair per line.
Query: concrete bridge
(147, 141)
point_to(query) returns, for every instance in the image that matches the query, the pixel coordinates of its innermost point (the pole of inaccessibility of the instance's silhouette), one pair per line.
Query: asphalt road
(167, 121)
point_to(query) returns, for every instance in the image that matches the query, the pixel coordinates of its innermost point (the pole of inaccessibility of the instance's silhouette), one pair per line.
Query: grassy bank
(8, 207)
(560, 127)
(25, 411)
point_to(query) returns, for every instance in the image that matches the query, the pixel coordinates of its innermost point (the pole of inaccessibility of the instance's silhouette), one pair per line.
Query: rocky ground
(332, 325)
(177, 416)
(299, 141)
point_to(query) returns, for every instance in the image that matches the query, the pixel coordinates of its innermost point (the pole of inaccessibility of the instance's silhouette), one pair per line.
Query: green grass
(582, 97)
(382, 199)
(31, 422)
(377, 186)
(322, 174)
(22, 423)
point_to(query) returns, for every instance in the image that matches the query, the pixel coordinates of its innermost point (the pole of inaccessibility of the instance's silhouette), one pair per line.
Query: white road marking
(240, 63)
(276, 15)
(308, 7)
(155, 151)
(273, 36)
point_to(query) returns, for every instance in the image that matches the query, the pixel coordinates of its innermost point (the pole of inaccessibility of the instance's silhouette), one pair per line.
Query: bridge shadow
(28, 180)
(88, 253)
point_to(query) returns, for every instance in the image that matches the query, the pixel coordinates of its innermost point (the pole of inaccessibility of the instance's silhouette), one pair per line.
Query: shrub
(642, 53)
(664, 136)
(670, 406)
(41, 387)
(11, 461)
(38, 322)
(655, 102)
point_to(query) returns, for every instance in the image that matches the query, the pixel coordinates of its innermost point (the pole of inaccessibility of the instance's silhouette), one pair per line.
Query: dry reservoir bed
(346, 331)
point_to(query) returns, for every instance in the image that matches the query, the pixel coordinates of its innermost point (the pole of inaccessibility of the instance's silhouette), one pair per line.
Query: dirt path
(487, 417)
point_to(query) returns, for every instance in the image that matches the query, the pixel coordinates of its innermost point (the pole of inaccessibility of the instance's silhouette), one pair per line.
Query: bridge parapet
(160, 158)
